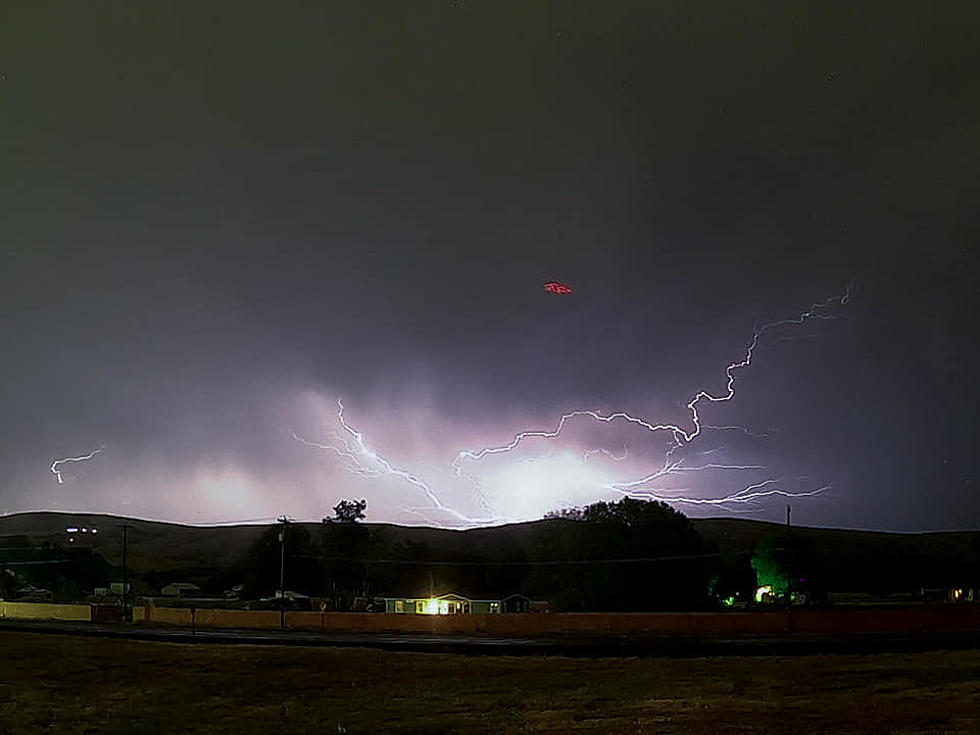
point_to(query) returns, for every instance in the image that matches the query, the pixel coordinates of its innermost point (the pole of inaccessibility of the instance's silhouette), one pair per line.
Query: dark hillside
(859, 561)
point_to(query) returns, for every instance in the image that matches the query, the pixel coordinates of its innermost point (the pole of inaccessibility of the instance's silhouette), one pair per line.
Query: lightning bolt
(551, 434)
(748, 494)
(84, 458)
(589, 454)
(367, 463)
(681, 437)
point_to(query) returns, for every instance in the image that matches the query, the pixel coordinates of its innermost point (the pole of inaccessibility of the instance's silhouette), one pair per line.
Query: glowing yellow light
(762, 592)
(431, 607)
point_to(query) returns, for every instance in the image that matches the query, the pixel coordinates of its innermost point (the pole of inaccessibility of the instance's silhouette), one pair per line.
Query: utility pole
(789, 564)
(282, 572)
(125, 579)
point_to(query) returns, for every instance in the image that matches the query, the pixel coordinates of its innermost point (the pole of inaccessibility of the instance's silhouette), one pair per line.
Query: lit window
(420, 606)
(399, 606)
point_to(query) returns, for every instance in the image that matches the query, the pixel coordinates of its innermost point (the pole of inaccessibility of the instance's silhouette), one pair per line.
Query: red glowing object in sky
(556, 287)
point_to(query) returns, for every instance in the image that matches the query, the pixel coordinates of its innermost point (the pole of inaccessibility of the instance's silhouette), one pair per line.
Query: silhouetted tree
(735, 580)
(348, 511)
(346, 545)
(629, 555)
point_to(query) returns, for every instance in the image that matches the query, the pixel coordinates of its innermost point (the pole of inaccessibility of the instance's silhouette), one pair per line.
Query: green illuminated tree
(785, 559)
(769, 566)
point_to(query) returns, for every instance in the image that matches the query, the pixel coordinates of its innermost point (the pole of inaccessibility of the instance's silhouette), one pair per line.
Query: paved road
(557, 646)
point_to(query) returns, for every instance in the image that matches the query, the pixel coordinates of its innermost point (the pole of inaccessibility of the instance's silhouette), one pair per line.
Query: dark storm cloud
(210, 211)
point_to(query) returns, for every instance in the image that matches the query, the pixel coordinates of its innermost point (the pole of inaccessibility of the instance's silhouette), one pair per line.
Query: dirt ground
(68, 684)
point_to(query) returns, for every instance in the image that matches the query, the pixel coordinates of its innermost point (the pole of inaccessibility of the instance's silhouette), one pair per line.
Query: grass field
(69, 684)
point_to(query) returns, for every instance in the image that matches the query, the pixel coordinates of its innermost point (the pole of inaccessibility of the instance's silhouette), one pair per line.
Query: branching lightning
(748, 494)
(681, 437)
(590, 453)
(366, 463)
(349, 445)
(84, 458)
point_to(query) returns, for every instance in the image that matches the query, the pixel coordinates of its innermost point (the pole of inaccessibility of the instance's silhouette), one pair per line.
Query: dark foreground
(71, 684)
(615, 646)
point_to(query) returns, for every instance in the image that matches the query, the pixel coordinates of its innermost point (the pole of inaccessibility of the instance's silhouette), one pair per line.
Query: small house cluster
(453, 603)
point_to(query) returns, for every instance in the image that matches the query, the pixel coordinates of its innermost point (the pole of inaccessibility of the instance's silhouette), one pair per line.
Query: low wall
(933, 618)
(540, 624)
(44, 611)
(211, 618)
(706, 624)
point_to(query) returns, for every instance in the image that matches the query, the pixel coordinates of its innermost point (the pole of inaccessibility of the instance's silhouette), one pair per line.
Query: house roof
(455, 596)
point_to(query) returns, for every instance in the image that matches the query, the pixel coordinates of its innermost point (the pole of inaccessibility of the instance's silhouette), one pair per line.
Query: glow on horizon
(530, 487)
(502, 483)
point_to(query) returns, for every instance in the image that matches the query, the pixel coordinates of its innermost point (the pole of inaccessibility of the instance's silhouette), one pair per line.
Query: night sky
(217, 219)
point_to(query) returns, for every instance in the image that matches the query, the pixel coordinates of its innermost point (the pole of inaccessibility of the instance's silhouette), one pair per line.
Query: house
(515, 603)
(30, 593)
(180, 589)
(453, 603)
(961, 594)
(282, 599)
(120, 588)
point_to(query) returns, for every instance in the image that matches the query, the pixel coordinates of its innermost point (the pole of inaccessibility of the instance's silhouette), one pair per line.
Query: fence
(44, 611)
(705, 624)
(938, 618)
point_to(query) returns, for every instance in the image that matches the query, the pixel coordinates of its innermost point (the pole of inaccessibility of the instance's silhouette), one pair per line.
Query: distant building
(30, 593)
(961, 594)
(949, 594)
(289, 599)
(180, 589)
(515, 604)
(453, 603)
